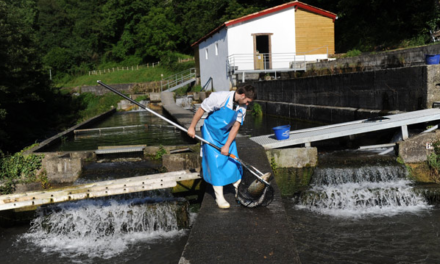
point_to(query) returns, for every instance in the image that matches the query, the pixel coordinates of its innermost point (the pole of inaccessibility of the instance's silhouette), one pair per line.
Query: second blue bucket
(282, 132)
(432, 59)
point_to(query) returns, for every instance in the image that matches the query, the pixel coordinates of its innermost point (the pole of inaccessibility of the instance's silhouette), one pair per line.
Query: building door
(262, 51)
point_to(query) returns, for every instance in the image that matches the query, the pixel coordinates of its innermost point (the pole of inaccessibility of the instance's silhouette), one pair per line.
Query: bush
(257, 111)
(142, 97)
(416, 41)
(352, 53)
(162, 151)
(18, 169)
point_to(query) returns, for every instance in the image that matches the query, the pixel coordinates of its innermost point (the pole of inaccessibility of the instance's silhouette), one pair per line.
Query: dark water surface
(412, 237)
(153, 132)
(257, 126)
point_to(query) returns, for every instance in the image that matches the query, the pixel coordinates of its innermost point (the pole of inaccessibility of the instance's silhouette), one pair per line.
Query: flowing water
(117, 230)
(364, 214)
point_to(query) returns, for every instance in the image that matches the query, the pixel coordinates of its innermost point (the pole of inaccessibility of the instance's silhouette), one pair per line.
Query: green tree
(30, 107)
(157, 33)
(380, 24)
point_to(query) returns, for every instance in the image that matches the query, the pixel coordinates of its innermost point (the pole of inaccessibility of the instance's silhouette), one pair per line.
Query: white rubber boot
(235, 184)
(219, 198)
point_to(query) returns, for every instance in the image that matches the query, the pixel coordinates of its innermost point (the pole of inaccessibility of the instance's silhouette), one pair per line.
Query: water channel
(364, 214)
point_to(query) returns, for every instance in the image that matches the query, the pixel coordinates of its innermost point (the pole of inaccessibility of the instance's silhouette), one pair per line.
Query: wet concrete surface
(240, 234)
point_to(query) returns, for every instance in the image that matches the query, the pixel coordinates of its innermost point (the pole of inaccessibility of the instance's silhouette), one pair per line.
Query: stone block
(182, 161)
(294, 157)
(62, 169)
(155, 97)
(417, 149)
(124, 104)
(28, 187)
(202, 96)
(152, 150)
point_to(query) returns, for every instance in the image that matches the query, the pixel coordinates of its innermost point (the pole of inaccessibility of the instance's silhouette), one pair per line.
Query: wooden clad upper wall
(314, 31)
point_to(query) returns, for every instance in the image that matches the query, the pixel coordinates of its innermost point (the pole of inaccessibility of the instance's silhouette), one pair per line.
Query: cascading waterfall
(355, 192)
(101, 228)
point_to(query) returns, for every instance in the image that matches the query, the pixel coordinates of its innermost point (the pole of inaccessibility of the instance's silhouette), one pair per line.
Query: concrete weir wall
(351, 96)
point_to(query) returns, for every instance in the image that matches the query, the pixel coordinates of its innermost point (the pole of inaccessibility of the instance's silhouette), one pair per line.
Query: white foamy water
(184, 102)
(381, 191)
(101, 228)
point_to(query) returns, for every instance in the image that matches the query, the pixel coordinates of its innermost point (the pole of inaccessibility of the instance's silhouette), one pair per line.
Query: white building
(279, 39)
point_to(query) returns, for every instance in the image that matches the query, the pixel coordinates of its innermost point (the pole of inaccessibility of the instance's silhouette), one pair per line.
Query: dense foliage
(75, 36)
(30, 108)
(71, 37)
(19, 168)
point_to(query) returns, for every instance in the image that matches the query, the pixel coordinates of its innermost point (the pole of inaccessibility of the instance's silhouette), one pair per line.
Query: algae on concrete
(293, 180)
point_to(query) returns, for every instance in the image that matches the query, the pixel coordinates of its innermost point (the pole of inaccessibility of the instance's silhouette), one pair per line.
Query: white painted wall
(237, 42)
(281, 24)
(215, 65)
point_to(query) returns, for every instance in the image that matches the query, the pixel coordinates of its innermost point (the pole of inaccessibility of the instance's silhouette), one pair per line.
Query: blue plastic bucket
(432, 59)
(282, 132)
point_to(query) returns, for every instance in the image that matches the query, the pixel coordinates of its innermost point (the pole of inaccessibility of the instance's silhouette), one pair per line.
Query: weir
(102, 229)
(99, 189)
(359, 191)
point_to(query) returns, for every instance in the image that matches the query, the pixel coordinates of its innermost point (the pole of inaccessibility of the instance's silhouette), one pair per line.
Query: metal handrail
(206, 84)
(177, 79)
(286, 60)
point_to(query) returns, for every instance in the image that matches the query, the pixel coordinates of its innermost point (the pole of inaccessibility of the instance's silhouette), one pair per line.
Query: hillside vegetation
(137, 74)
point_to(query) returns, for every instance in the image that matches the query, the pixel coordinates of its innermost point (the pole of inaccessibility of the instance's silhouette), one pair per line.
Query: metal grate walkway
(307, 136)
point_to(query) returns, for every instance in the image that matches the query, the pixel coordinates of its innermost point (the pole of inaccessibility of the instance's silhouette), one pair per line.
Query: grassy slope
(144, 74)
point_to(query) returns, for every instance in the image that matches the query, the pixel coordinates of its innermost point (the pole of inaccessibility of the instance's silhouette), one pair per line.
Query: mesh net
(254, 193)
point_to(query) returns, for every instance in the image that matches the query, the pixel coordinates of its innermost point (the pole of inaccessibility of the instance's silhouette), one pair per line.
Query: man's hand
(191, 132)
(224, 150)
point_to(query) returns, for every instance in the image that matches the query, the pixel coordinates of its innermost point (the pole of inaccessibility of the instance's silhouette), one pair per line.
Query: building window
(216, 49)
(206, 53)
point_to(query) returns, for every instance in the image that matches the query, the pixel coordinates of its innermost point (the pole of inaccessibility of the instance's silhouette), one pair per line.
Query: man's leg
(235, 184)
(219, 198)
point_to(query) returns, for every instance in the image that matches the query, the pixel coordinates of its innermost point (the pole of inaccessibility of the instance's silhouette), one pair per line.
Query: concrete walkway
(239, 234)
(182, 116)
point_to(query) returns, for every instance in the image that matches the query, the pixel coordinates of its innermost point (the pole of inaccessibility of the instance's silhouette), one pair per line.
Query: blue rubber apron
(218, 169)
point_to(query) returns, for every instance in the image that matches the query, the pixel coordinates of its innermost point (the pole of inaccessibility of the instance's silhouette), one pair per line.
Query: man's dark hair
(248, 90)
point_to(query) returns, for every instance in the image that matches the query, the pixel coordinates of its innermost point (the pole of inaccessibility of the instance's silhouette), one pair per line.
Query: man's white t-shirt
(218, 99)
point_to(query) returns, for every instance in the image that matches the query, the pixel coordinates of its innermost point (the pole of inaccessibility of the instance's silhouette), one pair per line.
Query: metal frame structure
(307, 136)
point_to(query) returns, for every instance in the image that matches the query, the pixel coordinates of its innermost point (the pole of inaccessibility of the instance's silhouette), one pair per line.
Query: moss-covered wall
(293, 180)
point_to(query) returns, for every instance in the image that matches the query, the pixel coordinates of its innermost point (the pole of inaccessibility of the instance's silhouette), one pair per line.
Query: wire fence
(133, 68)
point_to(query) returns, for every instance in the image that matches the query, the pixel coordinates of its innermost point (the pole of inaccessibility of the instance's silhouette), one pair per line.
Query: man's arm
(191, 130)
(232, 134)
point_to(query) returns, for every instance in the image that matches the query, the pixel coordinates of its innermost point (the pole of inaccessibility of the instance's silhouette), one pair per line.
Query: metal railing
(269, 61)
(206, 84)
(177, 79)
